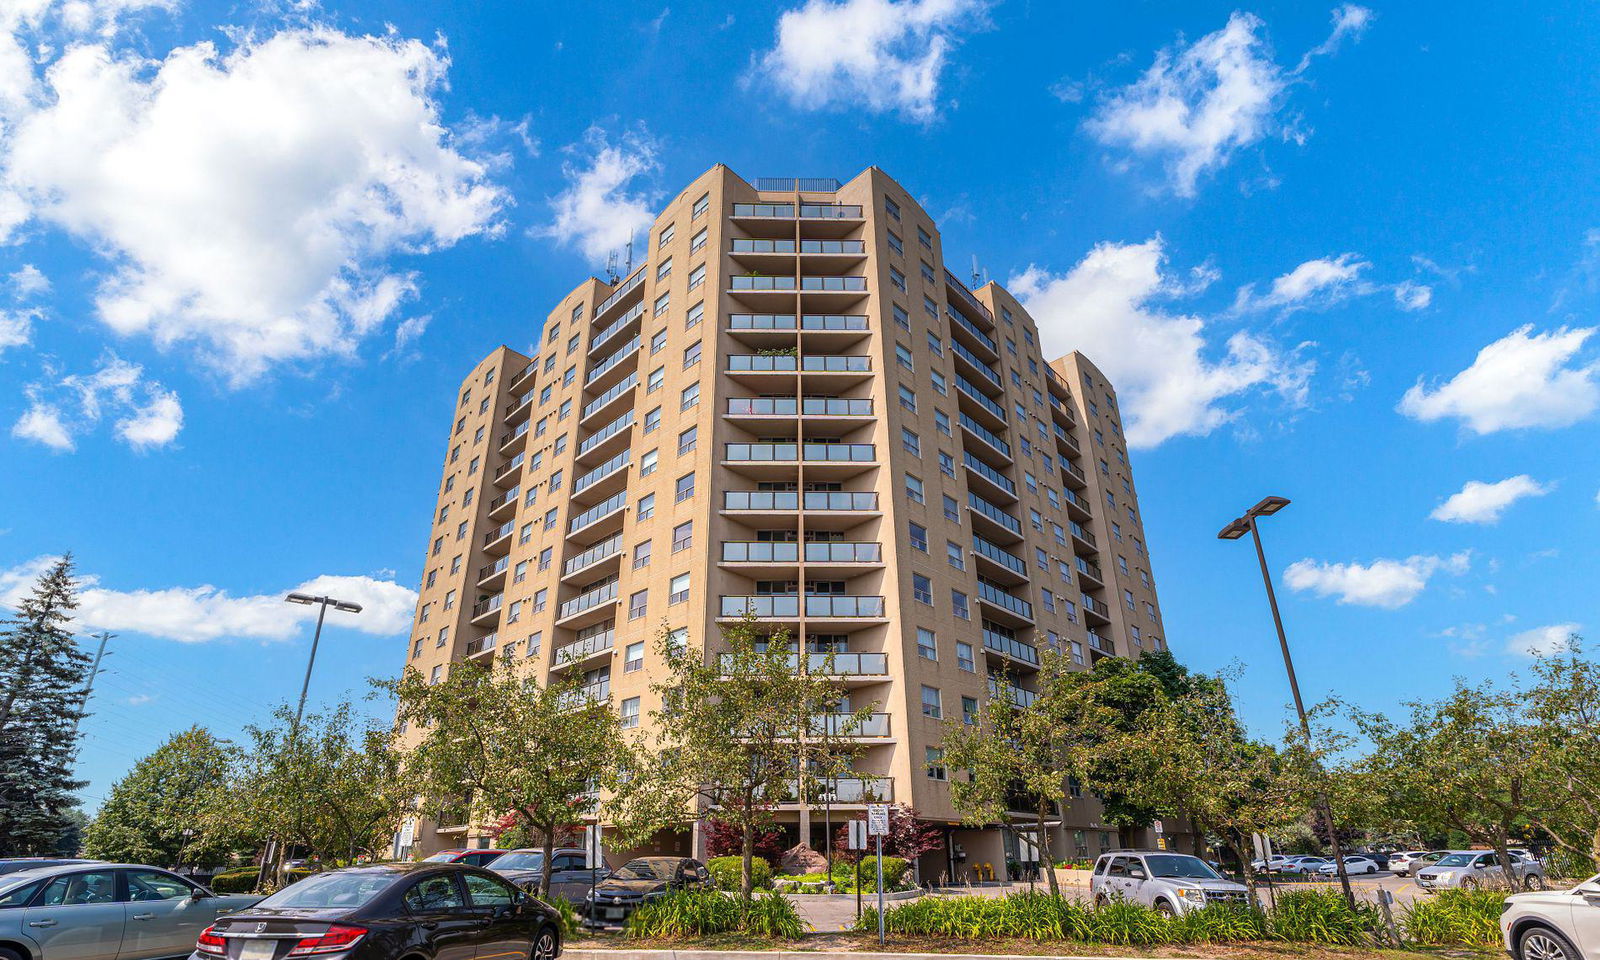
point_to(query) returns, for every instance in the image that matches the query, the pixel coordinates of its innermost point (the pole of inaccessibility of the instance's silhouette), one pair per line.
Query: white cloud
(27, 281)
(1480, 502)
(1172, 380)
(878, 55)
(147, 414)
(1196, 106)
(204, 613)
(1543, 641)
(1385, 583)
(16, 328)
(1521, 380)
(1410, 295)
(1322, 281)
(247, 201)
(597, 213)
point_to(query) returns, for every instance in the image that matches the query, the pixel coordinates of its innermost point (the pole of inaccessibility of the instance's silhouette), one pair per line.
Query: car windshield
(517, 860)
(330, 890)
(644, 870)
(1456, 860)
(1170, 865)
(439, 858)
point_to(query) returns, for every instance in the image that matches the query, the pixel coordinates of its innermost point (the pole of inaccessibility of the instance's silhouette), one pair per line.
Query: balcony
(1073, 474)
(508, 474)
(856, 668)
(602, 405)
(873, 726)
(1089, 572)
(605, 441)
(514, 439)
(824, 460)
(482, 645)
(976, 365)
(1095, 611)
(623, 292)
(1010, 648)
(519, 405)
(824, 373)
(1020, 698)
(487, 610)
(817, 607)
(598, 377)
(837, 408)
(616, 328)
(579, 651)
(1000, 565)
(1101, 646)
(777, 219)
(521, 375)
(988, 479)
(1077, 506)
(591, 606)
(966, 300)
(985, 408)
(994, 522)
(492, 575)
(603, 480)
(1082, 539)
(1064, 441)
(604, 517)
(825, 509)
(497, 542)
(992, 440)
(590, 562)
(1008, 608)
(779, 329)
(843, 791)
(497, 506)
(973, 335)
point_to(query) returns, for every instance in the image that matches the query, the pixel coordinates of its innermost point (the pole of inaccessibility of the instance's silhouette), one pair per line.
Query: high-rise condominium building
(790, 405)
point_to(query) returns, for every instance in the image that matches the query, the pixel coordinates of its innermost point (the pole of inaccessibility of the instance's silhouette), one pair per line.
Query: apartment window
(540, 427)
(433, 576)
(891, 208)
(935, 345)
(444, 637)
(630, 713)
(901, 318)
(416, 651)
(898, 279)
(1133, 632)
(1150, 611)
(677, 638)
(561, 444)
(461, 530)
(687, 440)
(526, 533)
(911, 442)
(549, 363)
(641, 555)
(931, 706)
(652, 420)
(952, 510)
(540, 599)
(683, 536)
(930, 308)
(664, 269)
(647, 463)
(514, 612)
(964, 658)
(550, 518)
(919, 537)
(519, 573)
(655, 381)
(556, 480)
(678, 589)
(473, 466)
(953, 553)
(564, 411)
(695, 315)
(927, 272)
(438, 544)
(697, 276)
(437, 674)
(685, 488)
(689, 397)
(921, 589)
(1077, 652)
(698, 241)
(455, 564)
(1127, 598)
(927, 644)
(924, 238)
(423, 616)
(947, 464)
(450, 600)
(637, 603)
(902, 356)
(691, 355)
(908, 398)
(701, 206)
(633, 657)
(958, 605)
(1048, 599)
(545, 557)
(661, 304)
(444, 513)
(535, 641)
(894, 242)
(646, 508)
(913, 489)
(933, 762)
(569, 376)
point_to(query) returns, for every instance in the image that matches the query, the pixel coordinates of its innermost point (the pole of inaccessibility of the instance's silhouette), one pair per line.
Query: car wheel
(8, 954)
(1533, 881)
(1165, 909)
(546, 946)
(1543, 943)
(1469, 884)
(1372, 869)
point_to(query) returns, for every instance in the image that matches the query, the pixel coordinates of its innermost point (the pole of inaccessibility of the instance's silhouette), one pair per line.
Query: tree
(1029, 755)
(42, 679)
(1463, 763)
(333, 784)
(1563, 707)
(909, 835)
(731, 734)
(496, 739)
(154, 814)
(726, 840)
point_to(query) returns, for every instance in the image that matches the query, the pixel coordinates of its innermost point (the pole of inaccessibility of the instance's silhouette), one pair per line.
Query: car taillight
(211, 944)
(338, 938)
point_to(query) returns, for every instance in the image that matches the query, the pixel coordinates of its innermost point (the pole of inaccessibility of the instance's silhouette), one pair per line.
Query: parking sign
(878, 820)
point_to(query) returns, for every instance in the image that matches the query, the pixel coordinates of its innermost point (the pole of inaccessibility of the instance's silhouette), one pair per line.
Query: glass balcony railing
(1103, 644)
(505, 498)
(836, 606)
(840, 500)
(605, 593)
(512, 466)
(514, 433)
(1096, 606)
(598, 403)
(605, 366)
(750, 551)
(628, 286)
(1005, 558)
(966, 386)
(504, 530)
(1088, 568)
(1019, 697)
(966, 296)
(487, 605)
(994, 513)
(490, 569)
(760, 363)
(482, 644)
(986, 435)
(791, 500)
(1004, 600)
(851, 790)
(741, 245)
(788, 606)
(986, 371)
(972, 328)
(830, 211)
(988, 473)
(761, 606)
(761, 284)
(1081, 532)
(587, 647)
(833, 246)
(833, 322)
(606, 433)
(1076, 499)
(1011, 647)
(601, 472)
(834, 284)
(615, 326)
(764, 210)
(761, 321)
(609, 547)
(833, 664)
(761, 452)
(839, 452)
(608, 505)
(850, 725)
(763, 406)
(843, 552)
(833, 363)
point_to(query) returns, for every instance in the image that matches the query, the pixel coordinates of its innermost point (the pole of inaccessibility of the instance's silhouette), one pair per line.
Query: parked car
(1470, 869)
(105, 911)
(1553, 924)
(569, 878)
(1303, 864)
(15, 864)
(1173, 883)
(475, 858)
(1400, 863)
(1358, 863)
(440, 911)
(1381, 859)
(640, 881)
(1273, 862)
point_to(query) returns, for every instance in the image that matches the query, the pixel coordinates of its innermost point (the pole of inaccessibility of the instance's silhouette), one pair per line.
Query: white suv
(1173, 883)
(1554, 924)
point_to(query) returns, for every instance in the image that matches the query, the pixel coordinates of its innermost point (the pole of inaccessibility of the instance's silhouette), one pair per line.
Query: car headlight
(1192, 895)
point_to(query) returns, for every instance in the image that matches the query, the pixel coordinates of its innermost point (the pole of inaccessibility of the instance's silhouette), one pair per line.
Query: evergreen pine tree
(42, 676)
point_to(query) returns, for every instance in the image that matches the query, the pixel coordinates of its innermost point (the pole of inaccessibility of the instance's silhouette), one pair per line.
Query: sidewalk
(579, 953)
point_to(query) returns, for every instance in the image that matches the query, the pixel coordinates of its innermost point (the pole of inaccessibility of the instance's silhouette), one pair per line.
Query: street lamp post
(1233, 531)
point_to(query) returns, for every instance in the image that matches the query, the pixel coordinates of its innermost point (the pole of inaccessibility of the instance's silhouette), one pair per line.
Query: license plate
(615, 913)
(258, 950)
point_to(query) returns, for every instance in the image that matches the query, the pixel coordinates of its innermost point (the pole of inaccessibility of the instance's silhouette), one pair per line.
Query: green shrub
(896, 872)
(1322, 916)
(1455, 918)
(726, 871)
(1129, 924)
(1041, 917)
(1221, 923)
(694, 913)
(243, 879)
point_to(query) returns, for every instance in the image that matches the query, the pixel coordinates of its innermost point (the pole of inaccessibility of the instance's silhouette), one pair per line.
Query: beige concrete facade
(791, 405)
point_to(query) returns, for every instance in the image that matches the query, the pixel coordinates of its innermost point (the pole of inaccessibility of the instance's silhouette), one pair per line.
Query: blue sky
(1347, 255)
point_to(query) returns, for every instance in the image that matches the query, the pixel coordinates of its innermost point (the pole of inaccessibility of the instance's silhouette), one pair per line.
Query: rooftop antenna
(630, 252)
(611, 268)
(976, 276)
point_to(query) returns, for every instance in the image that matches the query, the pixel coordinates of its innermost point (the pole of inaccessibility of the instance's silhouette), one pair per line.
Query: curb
(589, 954)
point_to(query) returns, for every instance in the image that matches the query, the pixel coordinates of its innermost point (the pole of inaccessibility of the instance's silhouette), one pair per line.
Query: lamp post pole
(1233, 531)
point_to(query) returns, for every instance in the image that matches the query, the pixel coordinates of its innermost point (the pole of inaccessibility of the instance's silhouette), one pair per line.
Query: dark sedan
(640, 881)
(426, 911)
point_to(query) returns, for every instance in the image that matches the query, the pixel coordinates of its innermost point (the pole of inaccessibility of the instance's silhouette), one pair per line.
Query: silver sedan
(105, 911)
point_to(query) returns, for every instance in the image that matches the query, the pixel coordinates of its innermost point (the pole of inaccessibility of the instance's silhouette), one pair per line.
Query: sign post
(594, 858)
(877, 826)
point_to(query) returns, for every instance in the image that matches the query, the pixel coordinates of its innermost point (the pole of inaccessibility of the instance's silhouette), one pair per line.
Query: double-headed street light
(324, 603)
(1233, 531)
